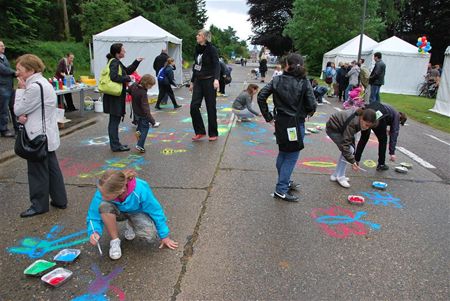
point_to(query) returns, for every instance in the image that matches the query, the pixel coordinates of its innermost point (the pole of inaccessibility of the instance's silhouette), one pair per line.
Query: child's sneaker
(156, 124)
(140, 149)
(138, 135)
(115, 252)
(129, 232)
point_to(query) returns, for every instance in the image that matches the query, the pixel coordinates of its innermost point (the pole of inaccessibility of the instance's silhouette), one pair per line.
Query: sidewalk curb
(10, 155)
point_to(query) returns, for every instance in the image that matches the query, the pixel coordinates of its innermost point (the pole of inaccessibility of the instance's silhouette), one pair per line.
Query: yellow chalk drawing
(320, 164)
(171, 151)
(370, 163)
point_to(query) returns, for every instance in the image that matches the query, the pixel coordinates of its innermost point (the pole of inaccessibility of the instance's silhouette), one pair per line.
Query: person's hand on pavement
(167, 242)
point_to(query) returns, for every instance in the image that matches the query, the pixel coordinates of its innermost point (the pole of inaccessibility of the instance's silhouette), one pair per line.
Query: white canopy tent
(405, 66)
(442, 105)
(348, 51)
(141, 38)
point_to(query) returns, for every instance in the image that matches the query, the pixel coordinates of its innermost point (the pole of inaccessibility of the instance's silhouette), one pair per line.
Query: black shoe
(122, 148)
(294, 186)
(158, 107)
(285, 197)
(71, 110)
(7, 134)
(30, 212)
(58, 206)
(382, 167)
(177, 106)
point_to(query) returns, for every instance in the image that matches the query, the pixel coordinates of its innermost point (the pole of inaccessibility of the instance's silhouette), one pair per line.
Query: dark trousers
(113, 131)
(165, 96)
(11, 111)
(45, 179)
(222, 85)
(204, 88)
(5, 96)
(341, 92)
(143, 127)
(164, 91)
(381, 133)
(69, 102)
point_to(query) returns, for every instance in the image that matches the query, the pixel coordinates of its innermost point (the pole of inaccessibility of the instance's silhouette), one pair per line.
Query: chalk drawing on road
(370, 163)
(130, 162)
(171, 151)
(262, 152)
(338, 222)
(100, 286)
(321, 164)
(71, 168)
(36, 247)
(382, 199)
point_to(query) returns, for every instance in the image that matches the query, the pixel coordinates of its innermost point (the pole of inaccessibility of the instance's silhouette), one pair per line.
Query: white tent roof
(137, 29)
(351, 47)
(442, 105)
(395, 45)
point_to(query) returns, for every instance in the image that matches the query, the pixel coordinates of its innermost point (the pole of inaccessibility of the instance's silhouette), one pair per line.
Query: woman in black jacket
(115, 105)
(293, 100)
(204, 83)
(166, 78)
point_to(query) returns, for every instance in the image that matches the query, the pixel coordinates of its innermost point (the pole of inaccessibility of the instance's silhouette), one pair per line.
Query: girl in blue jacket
(122, 196)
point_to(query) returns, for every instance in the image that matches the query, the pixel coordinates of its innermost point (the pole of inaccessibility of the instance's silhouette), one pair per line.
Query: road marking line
(337, 109)
(436, 138)
(415, 157)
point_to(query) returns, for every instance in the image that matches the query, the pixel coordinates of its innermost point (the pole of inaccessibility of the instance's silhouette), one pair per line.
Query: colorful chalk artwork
(407, 165)
(67, 255)
(355, 199)
(38, 267)
(401, 169)
(57, 277)
(379, 185)
(313, 130)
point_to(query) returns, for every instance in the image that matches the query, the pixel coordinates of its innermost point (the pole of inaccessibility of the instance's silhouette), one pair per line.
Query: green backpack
(106, 85)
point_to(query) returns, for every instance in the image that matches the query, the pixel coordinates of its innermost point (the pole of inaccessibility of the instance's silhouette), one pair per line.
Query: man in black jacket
(376, 79)
(158, 63)
(6, 89)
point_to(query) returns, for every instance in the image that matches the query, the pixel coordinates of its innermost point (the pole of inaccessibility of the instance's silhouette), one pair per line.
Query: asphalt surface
(236, 241)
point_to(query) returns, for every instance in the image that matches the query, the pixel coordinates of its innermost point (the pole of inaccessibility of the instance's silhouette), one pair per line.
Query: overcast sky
(229, 13)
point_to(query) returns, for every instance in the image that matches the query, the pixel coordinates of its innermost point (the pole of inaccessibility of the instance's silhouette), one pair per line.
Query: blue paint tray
(67, 255)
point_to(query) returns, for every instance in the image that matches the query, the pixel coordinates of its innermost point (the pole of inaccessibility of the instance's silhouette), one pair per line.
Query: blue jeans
(286, 162)
(143, 127)
(374, 93)
(5, 96)
(349, 88)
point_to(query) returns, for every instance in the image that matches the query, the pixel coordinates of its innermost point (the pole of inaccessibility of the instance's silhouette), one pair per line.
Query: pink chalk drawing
(71, 168)
(262, 152)
(101, 285)
(338, 222)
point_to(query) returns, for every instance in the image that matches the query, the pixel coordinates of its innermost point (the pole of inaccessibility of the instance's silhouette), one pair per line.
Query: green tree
(99, 15)
(227, 42)
(318, 26)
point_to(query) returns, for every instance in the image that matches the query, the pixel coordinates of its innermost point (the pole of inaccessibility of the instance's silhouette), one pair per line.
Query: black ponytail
(294, 62)
(115, 49)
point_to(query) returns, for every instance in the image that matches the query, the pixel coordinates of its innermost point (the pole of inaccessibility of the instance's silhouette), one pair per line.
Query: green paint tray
(38, 267)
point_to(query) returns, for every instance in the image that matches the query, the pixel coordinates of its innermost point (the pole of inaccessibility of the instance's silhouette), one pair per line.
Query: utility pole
(362, 29)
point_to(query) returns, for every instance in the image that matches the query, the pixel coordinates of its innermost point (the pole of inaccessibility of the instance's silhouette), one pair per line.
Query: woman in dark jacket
(166, 78)
(115, 105)
(263, 67)
(204, 83)
(64, 68)
(293, 100)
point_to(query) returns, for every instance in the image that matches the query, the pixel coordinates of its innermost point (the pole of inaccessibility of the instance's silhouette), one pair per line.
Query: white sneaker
(156, 124)
(114, 249)
(333, 178)
(129, 232)
(343, 182)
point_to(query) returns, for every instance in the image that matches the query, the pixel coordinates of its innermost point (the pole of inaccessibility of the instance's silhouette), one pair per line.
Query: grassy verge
(417, 108)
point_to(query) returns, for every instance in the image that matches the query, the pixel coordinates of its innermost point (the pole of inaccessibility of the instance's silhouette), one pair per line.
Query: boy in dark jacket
(166, 78)
(141, 109)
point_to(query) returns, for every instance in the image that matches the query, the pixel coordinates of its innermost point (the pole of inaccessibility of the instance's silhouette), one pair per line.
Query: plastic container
(38, 267)
(98, 106)
(57, 277)
(379, 185)
(67, 255)
(407, 165)
(356, 199)
(401, 169)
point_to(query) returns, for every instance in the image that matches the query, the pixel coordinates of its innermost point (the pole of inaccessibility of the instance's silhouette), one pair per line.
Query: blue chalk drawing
(35, 247)
(382, 198)
(99, 287)
(345, 219)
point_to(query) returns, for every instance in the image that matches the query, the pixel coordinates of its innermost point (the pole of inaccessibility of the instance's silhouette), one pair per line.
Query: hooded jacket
(140, 200)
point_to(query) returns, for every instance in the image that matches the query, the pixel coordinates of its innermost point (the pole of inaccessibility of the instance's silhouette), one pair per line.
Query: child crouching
(121, 196)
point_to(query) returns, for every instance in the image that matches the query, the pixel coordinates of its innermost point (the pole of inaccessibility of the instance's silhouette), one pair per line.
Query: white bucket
(98, 106)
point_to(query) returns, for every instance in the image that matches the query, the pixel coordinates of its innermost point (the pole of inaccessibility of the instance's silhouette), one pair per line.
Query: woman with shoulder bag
(293, 100)
(115, 105)
(44, 177)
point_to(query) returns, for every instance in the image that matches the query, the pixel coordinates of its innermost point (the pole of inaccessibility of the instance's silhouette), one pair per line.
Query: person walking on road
(115, 105)
(376, 78)
(263, 67)
(6, 91)
(158, 63)
(204, 83)
(166, 79)
(44, 177)
(390, 118)
(293, 100)
(342, 128)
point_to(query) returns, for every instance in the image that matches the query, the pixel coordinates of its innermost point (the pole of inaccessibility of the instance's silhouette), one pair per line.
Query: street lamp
(362, 29)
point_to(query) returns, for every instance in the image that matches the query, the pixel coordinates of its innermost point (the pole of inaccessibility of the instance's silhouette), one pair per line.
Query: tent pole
(362, 29)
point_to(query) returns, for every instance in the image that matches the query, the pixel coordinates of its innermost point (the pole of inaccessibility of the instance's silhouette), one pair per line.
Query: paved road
(238, 243)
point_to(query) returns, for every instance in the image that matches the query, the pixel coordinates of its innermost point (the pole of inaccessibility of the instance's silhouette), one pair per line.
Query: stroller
(355, 98)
